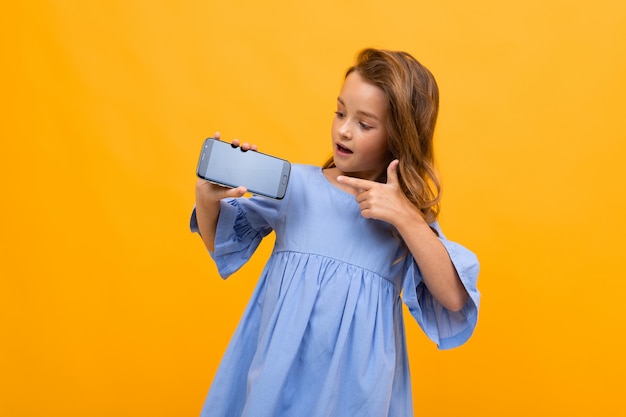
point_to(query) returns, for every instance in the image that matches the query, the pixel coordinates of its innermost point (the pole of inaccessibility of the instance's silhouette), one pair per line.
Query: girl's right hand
(209, 192)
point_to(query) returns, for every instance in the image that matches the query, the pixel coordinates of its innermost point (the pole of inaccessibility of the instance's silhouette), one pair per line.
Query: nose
(344, 130)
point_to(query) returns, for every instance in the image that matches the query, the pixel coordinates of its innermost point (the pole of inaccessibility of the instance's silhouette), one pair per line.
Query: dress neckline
(329, 184)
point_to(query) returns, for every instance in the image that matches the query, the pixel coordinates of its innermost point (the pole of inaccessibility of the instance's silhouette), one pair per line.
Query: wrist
(205, 194)
(411, 221)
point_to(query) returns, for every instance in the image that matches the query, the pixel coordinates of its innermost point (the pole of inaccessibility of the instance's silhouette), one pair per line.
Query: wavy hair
(413, 105)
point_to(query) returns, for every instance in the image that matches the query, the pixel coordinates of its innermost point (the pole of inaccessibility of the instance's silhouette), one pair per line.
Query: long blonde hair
(413, 105)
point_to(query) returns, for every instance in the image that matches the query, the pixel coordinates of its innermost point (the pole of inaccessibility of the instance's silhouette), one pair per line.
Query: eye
(365, 126)
(340, 114)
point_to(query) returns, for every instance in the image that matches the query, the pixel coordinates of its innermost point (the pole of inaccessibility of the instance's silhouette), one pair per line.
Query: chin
(341, 166)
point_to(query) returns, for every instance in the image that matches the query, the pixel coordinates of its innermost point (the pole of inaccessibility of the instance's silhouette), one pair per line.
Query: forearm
(207, 213)
(208, 197)
(207, 224)
(438, 272)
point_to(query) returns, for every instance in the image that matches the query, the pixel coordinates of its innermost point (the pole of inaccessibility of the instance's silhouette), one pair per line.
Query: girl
(323, 334)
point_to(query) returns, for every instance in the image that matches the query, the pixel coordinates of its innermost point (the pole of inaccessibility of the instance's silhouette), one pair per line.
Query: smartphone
(230, 166)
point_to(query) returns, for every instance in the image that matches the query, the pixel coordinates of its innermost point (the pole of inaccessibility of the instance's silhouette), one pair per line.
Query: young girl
(323, 333)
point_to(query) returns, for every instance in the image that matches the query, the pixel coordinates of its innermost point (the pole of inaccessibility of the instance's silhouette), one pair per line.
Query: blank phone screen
(258, 172)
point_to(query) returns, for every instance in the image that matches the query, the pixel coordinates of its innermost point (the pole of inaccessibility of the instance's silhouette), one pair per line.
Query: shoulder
(304, 168)
(303, 172)
(301, 179)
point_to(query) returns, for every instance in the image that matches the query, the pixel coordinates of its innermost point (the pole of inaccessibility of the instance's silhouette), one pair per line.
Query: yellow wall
(109, 306)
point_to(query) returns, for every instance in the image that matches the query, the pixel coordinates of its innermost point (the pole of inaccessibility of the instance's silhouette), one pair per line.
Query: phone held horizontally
(230, 166)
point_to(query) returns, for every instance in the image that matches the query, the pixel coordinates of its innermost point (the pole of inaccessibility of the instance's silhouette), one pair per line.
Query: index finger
(357, 183)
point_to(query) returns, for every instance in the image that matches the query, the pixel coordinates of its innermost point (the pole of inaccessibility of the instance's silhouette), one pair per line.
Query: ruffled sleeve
(241, 226)
(448, 329)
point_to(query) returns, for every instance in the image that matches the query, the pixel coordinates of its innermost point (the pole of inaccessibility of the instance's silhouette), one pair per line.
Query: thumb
(227, 192)
(236, 192)
(392, 172)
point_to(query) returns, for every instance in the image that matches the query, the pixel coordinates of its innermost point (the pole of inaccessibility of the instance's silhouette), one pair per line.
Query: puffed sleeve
(242, 224)
(448, 329)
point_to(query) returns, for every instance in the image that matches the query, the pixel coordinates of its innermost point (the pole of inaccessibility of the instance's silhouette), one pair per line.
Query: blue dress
(323, 332)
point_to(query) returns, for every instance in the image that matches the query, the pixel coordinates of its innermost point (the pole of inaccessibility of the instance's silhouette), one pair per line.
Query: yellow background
(109, 306)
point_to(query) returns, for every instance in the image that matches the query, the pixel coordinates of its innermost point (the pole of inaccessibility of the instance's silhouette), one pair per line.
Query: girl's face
(359, 130)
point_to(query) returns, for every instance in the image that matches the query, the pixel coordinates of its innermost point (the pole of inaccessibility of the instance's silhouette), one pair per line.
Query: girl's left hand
(380, 201)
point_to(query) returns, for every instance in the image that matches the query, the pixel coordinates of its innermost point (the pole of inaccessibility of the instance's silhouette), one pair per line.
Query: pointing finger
(356, 183)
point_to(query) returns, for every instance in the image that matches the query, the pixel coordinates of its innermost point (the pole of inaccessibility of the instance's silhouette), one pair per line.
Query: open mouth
(343, 150)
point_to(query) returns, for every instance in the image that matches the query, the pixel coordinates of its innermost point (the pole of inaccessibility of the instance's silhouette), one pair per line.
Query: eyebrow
(361, 112)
